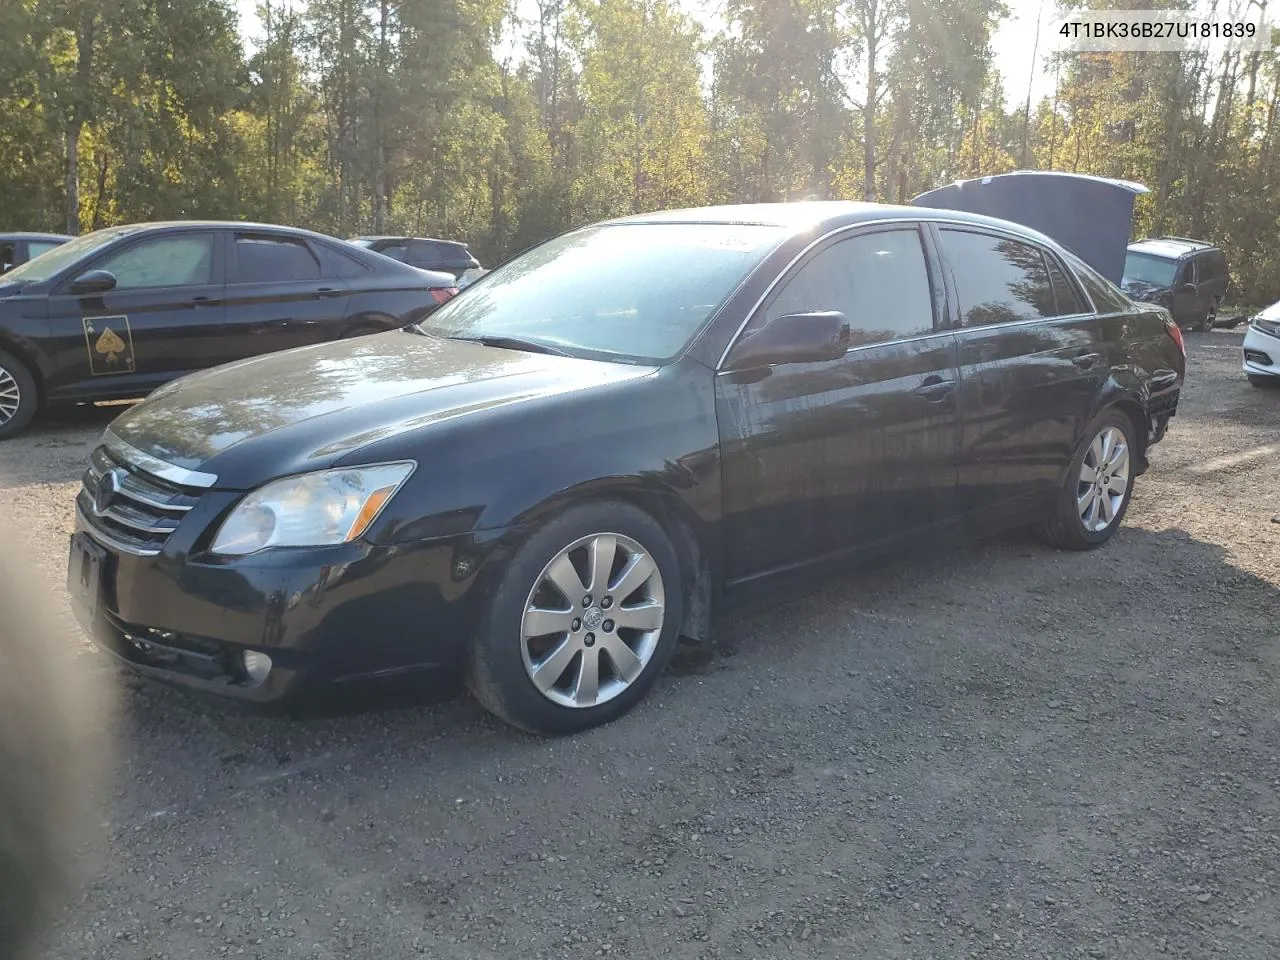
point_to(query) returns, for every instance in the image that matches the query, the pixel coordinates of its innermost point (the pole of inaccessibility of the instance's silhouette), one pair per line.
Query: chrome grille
(129, 509)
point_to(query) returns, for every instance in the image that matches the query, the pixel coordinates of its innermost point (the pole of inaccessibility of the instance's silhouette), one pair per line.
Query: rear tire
(1095, 496)
(554, 663)
(1210, 319)
(19, 397)
(1259, 380)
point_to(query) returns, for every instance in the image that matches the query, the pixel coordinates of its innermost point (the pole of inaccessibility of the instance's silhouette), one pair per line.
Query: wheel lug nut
(606, 603)
(590, 639)
(576, 625)
(607, 626)
(586, 601)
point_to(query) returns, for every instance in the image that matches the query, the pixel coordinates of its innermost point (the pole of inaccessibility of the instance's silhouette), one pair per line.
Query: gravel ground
(998, 750)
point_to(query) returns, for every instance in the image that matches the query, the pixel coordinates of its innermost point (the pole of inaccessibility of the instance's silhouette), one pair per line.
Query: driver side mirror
(95, 281)
(794, 338)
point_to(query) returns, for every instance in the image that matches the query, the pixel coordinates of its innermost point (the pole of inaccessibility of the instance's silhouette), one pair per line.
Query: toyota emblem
(109, 485)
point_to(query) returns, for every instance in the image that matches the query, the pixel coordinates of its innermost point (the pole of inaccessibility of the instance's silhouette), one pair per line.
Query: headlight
(311, 509)
(1267, 326)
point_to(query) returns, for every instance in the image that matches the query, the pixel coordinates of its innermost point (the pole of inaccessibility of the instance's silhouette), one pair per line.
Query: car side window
(998, 280)
(1106, 296)
(261, 259)
(878, 280)
(396, 251)
(422, 253)
(37, 247)
(164, 261)
(1187, 272)
(8, 253)
(334, 263)
(1064, 291)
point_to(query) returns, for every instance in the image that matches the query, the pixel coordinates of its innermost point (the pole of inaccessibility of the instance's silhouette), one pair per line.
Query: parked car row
(118, 312)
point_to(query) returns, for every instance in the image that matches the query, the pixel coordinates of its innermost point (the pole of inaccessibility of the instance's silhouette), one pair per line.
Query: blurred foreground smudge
(50, 716)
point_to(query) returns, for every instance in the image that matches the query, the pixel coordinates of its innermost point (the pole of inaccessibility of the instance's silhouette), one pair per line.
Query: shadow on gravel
(1029, 593)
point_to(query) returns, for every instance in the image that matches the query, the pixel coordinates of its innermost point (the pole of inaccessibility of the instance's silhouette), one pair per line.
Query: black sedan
(17, 248)
(611, 440)
(115, 313)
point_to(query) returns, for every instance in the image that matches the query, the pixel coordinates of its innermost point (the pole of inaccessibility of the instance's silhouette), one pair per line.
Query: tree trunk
(380, 187)
(869, 109)
(79, 116)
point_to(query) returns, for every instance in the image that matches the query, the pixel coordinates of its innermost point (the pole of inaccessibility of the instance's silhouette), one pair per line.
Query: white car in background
(1262, 348)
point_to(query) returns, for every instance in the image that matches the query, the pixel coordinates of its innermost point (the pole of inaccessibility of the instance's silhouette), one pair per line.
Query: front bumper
(1261, 353)
(332, 616)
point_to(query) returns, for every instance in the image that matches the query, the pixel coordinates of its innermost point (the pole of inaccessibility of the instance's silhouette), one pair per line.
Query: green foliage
(421, 116)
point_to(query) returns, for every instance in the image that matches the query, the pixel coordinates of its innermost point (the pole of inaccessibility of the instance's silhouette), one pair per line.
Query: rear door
(821, 459)
(163, 318)
(1032, 360)
(278, 296)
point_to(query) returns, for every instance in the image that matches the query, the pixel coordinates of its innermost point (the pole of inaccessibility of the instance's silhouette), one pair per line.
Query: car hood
(1271, 313)
(1141, 289)
(312, 407)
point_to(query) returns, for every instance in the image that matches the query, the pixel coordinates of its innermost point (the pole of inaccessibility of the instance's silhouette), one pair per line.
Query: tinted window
(998, 280)
(1187, 273)
(421, 252)
(334, 263)
(37, 247)
(272, 260)
(637, 291)
(396, 251)
(167, 261)
(878, 280)
(1106, 296)
(1213, 266)
(1064, 291)
(6, 256)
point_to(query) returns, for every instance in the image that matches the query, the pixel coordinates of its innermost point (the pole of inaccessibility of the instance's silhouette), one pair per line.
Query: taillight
(1175, 331)
(441, 294)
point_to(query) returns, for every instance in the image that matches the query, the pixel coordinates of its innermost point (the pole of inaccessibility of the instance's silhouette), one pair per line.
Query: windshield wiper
(515, 343)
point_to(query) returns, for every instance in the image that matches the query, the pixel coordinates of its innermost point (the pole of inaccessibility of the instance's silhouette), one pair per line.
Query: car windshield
(631, 291)
(1148, 269)
(49, 264)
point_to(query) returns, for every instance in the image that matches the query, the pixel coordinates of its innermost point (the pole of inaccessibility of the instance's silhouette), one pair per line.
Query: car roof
(1169, 247)
(456, 243)
(29, 235)
(821, 216)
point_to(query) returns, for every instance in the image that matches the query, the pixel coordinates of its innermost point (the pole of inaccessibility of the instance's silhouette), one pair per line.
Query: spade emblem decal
(110, 344)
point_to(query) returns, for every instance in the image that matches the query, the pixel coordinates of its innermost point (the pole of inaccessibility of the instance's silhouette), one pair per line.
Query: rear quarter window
(1106, 296)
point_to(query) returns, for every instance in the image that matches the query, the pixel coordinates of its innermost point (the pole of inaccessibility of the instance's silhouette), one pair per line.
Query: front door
(1032, 361)
(820, 459)
(163, 318)
(278, 296)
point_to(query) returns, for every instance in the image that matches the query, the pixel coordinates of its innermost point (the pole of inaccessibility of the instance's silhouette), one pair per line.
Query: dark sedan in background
(116, 313)
(17, 248)
(425, 253)
(617, 435)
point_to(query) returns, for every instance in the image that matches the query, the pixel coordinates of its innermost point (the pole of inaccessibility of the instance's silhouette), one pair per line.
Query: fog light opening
(255, 665)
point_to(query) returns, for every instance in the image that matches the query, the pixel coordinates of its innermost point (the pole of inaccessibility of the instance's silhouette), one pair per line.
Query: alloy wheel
(1104, 479)
(10, 396)
(592, 621)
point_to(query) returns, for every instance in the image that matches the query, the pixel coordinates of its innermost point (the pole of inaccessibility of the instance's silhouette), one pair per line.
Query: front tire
(19, 398)
(1095, 497)
(1210, 318)
(586, 616)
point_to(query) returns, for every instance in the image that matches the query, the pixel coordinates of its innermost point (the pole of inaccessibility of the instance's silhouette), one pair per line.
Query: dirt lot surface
(998, 750)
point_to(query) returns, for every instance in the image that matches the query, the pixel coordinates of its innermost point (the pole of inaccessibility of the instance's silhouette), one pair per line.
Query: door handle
(935, 389)
(1086, 360)
(205, 301)
(328, 292)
